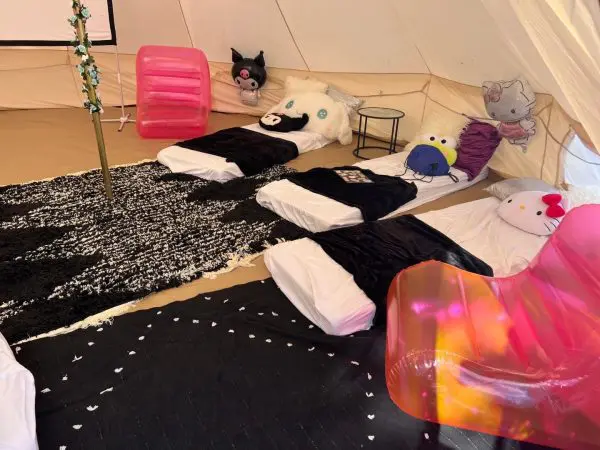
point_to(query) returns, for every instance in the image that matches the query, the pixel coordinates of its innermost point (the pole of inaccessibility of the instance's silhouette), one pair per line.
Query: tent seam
(546, 142)
(189, 33)
(560, 164)
(426, 98)
(292, 35)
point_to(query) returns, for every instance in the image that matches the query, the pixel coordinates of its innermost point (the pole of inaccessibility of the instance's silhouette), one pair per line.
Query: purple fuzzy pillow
(477, 144)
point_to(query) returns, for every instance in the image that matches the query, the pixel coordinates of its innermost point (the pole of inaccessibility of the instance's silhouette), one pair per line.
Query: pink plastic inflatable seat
(517, 357)
(173, 92)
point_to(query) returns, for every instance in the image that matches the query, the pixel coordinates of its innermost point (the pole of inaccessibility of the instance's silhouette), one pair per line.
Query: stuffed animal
(325, 115)
(250, 75)
(512, 103)
(535, 212)
(445, 144)
(432, 155)
(283, 123)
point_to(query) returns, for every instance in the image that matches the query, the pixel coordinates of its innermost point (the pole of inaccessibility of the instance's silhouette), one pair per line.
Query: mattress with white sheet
(316, 212)
(216, 168)
(328, 296)
(17, 403)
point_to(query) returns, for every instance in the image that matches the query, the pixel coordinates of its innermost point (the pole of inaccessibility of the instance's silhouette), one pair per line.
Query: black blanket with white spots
(234, 369)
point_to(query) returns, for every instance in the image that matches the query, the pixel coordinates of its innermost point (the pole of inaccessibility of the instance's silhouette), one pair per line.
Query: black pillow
(283, 123)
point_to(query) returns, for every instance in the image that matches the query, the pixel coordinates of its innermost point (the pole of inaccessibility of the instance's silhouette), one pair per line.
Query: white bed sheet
(327, 295)
(316, 212)
(215, 168)
(17, 403)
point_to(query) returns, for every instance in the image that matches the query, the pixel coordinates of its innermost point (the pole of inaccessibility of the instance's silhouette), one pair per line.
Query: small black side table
(377, 113)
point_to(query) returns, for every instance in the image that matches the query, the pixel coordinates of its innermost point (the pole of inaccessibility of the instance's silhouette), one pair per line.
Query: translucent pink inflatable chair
(517, 357)
(173, 92)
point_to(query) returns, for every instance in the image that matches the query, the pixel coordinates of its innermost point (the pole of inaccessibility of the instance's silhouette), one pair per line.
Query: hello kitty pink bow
(493, 93)
(554, 210)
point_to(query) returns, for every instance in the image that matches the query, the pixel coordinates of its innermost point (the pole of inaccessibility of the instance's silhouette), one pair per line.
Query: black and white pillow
(283, 123)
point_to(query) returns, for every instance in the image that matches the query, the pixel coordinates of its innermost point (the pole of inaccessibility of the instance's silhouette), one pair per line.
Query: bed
(17, 402)
(327, 294)
(238, 368)
(317, 213)
(179, 158)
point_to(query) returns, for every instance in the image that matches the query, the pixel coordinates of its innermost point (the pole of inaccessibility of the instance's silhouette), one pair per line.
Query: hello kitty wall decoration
(250, 75)
(535, 212)
(512, 103)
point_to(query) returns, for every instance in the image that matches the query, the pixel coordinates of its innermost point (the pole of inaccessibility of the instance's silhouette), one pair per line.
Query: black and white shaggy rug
(66, 253)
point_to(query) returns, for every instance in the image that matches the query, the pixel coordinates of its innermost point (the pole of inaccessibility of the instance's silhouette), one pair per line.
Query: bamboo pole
(93, 98)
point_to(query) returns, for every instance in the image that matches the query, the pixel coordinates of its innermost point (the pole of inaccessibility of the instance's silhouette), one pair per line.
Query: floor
(40, 144)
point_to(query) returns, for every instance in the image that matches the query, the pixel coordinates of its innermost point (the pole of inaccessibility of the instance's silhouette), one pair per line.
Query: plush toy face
(445, 144)
(271, 120)
(282, 123)
(248, 73)
(508, 101)
(535, 212)
(326, 116)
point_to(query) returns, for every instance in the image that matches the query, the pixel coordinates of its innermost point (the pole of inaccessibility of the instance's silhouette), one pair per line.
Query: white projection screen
(44, 22)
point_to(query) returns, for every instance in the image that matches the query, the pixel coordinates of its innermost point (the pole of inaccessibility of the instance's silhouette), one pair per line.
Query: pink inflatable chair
(517, 357)
(173, 92)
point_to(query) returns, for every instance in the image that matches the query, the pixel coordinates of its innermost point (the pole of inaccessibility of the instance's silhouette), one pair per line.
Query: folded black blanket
(374, 252)
(375, 195)
(253, 152)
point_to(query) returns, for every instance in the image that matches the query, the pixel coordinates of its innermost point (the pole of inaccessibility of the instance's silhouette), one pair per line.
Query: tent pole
(125, 117)
(97, 126)
(102, 152)
(93, 99)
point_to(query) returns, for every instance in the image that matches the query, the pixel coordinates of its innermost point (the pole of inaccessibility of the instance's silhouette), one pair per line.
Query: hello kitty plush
(512, 103)
(535, 212)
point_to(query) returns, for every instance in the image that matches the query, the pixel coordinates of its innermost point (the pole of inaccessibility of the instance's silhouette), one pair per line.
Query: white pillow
(17, 403)
(294, 85)
(352, 103)
(506, 188)
(528, 212)
(582, 195)
(442, 124)
(325, 115)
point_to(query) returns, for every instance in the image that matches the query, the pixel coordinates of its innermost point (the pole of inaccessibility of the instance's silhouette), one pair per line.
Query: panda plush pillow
(535, 212)
(282, 122)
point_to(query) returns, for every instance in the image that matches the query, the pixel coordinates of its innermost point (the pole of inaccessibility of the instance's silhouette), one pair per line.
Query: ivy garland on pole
(91, 79)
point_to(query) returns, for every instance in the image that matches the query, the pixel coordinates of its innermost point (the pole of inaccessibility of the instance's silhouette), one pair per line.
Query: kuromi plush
(249, 74)
(325, 115)
(535, 212)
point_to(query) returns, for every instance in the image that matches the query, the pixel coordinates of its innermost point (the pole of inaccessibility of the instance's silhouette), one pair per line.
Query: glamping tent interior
(299, 224)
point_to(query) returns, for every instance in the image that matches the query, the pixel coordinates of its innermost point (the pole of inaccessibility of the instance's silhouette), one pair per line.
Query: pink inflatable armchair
(173, 92)
(517, 357)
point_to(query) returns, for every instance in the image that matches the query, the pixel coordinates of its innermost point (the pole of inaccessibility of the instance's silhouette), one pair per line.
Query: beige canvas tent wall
(426, 57)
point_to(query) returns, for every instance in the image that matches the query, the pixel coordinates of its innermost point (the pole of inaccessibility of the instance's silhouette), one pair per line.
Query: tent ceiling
(250, 26)
(359, 37)
(352, 36)
(468, 41)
